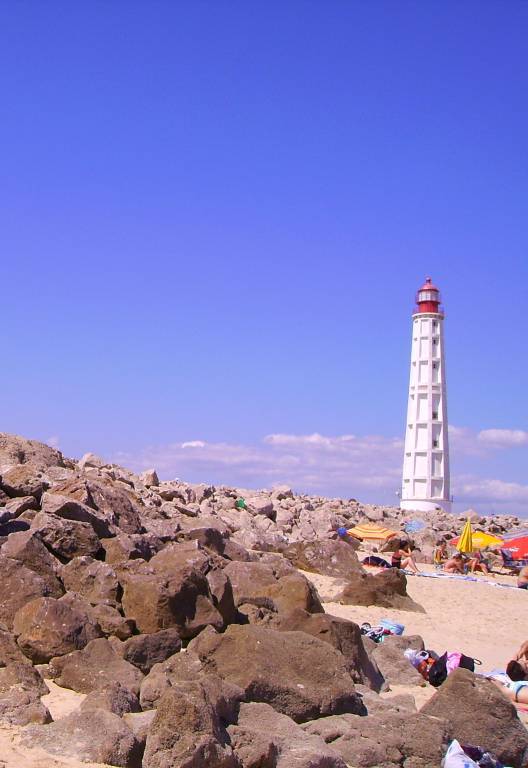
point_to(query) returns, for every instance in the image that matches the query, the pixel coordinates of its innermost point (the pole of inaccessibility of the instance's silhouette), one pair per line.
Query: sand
(483, 621)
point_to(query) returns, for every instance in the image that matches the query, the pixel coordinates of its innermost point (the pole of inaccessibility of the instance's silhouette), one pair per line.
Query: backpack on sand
(446, 664)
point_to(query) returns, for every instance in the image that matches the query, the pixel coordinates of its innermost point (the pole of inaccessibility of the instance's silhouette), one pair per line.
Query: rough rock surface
(143, 651)
(95, 581)
(94, 668)
(386, 739)
(263, 737)
(297, 674)
(189, 727)
(343, 635)
(479, 713)
(64, 538)
(389, 656)
(89, 735)
(387, 588)
(46, 627)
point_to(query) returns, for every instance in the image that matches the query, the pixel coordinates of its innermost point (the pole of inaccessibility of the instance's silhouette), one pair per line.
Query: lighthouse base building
(425, 484)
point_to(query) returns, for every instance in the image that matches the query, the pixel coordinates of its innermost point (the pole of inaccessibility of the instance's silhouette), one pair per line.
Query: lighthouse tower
(426, 462)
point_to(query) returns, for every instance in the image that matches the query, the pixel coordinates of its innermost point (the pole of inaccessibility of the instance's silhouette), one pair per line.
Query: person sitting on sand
(403, 558)
(478, 563)
(522, 578)
(455, 564)
(516, 691)
(440, 553)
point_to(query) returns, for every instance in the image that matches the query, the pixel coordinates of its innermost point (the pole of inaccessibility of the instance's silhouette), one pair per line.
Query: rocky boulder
(114, 698)
(479, 713)
(19, 450)
(70, 508)
(24, 480)
(27, 548)
(94, 668)
(64, 538)
(189, 726)
(181, 600)
(109, 499)
(386, 739)
(327, 557)
(297, 674)
(263, 737)
(20, 585)
(393, 664)
(292, 590)
(93, 735)
(343, 635)
(92, 579)
(143, 651)
(46, 627)
(387, 589)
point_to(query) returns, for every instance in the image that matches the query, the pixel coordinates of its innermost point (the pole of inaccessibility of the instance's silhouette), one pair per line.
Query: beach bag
(455, 757)
(447, 663)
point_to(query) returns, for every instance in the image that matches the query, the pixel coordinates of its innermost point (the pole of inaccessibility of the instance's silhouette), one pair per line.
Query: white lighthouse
(426, 462)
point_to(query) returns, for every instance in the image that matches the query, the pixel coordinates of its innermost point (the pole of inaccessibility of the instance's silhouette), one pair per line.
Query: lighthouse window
(435, 414)
(435, 443)
(434, 366)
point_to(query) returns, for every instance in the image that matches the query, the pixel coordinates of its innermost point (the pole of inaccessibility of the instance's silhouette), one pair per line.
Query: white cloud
(503, 438)
(366, 467)
(483, 490)
(194, 444)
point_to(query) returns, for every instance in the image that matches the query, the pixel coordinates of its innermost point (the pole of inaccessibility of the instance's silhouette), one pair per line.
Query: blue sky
(214, 217)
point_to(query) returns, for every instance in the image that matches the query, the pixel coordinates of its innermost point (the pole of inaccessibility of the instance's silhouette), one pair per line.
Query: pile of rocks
(180, 613)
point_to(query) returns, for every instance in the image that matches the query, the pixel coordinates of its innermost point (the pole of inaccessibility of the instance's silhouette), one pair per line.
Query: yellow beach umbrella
(481, 540)
(465, 542)
(371, 532)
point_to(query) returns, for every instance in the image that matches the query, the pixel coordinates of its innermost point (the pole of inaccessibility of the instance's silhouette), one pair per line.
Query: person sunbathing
(517, 668)
(403, 558)
(455, 564)
(522, 578)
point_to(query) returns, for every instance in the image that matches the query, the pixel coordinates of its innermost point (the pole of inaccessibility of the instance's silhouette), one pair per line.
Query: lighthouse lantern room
(425, 483)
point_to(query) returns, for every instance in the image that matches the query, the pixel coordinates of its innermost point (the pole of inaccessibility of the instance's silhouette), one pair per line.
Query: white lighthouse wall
(426, 460)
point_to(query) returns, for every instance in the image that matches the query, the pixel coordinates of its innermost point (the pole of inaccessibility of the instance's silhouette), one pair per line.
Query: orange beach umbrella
(371, 532)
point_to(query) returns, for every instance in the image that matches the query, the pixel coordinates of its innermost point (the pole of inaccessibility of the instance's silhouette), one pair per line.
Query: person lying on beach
(516, 691)
(522, 578)
(455, 564)
(403, 558)
(517, 668)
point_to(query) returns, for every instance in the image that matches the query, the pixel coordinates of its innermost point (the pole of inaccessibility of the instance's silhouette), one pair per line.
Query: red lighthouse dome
(428, 298)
